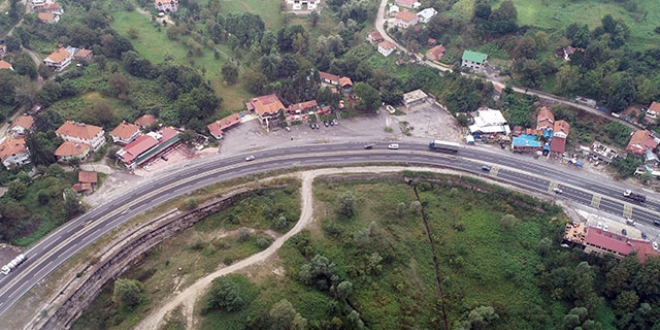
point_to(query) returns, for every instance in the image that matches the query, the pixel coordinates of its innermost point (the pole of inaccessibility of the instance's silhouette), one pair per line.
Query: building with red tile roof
(88, 177)
(375, 37)
(69, 150)
(545, 119)
(386, 48)
(91, 135)
(436, 53)
(640, 142)
(13, 152)
(266, 107)
(81, 187)
(147, 147)
(83, 55)
(345, 83)
(408, 3)
(21, 126)
(6, 65)
(48, 17)
(218, 127)
(302, 107)
(146, 120)
(166, 6)
(561, 129)
(125, 133)
(59, 59)
(603, 242)
(329, 78)
(406, 19)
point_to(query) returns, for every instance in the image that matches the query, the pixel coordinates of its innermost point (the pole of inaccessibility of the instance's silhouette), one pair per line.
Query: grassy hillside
(384, 252)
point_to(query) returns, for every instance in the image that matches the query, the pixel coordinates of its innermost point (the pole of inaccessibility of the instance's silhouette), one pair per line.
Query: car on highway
(656, 222)
(249, 158)
(485, 168)
(393, 146)
(557, 191)
(368, 146)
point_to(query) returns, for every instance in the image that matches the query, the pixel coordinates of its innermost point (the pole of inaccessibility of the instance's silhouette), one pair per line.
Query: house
(526, 143)
(394, 9)
(426, 15)
(650, 158)
(415, 97)
(266, 107)
(346, 84)
(125, 133)
(59, 59)
(303, 4)
(375, 38)
(302, 107)
(147, 147)
(21, 126)
(84, 55)
(603, 153)
(51, 8)
(329, 78)
(87, 181)
(567, 52)
(545, 119)
(653, 111)
(473, 60)
(90, 135)
(69, 150)
(561, 129)
(405, 19)
(37, 3)
(640, 142)
(5, 65)
(166, 6)
(146, 121)
(436, 53)
(218, 127)
(48, 18)
(13, 152)
(386, 48)
(605, 242)
(490, 122)
(431, 42)
(497, 91)
(408, 3)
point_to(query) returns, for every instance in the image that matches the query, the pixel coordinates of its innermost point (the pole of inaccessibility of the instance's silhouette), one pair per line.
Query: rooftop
(69, 149)
(79, 130)
(267, 104)
(46, 18)
(23, 121)
(10, 146)
(471, 56)
(5, 65)
(125, 130)
(345, 81)
(558, 145)
(386, 45)
(329, 76)
(146, 120)
(87, 176)
(217, 127)
(137, 147)
(406, 16)
(525, 140)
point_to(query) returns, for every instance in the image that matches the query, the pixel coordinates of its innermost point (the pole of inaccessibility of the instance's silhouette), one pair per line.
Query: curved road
(55, 249)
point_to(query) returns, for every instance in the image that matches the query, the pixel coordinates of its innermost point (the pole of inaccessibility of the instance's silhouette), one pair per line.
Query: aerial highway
(60, 245)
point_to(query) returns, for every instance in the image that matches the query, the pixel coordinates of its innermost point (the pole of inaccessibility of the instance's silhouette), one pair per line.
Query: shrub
(263, 243)
(243, 234)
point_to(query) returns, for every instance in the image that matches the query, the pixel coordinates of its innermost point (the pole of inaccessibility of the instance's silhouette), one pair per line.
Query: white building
(426, 15)
(303, 4)
(386, 48)
(394, 9)
(90, 135)
(13, 152)
(415, 97)
(490, 121)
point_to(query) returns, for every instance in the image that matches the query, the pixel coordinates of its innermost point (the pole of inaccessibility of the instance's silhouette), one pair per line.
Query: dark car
(332, 123)
(163, 157)
(624, 232)
(656, 222)
(485, 168)
(368, 146)
(326, 123)
(317, 126)
(644, 236)
(311, 126)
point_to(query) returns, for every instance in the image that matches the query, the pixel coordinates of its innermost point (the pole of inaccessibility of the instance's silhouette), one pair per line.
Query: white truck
(12, 264)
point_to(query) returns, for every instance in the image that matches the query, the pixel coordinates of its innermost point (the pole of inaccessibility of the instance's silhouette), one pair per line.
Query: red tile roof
(345, 81)
(217, 127)
(406, 16)
(558, 145)
(545, 118)
(59, 55)
(83, 53)
(4, 65)
(23, 121)
(329, 76)
(562, 126)
(619, 243)
(146, 120)
(69, 149)
(637, 144)
(88, 177)
(376, 36)
(137, 147)
(386, 45)
(302, 106)
(436, 53)
(82, 187)
(47, 18)
(166, 134)
(267, 104)
(79, 130)
(655, 106)
(125, 130)
(11, 146)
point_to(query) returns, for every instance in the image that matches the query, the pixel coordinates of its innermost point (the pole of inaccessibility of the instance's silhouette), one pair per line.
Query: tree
(392, 96)
(284, 317)
(230, 73)
(416, 207)
(254, 80)
(127, 293)
(49, 93)
(480, 318)
(401, 210)
(119, 84)
(133, 33)
(369, 97)
(625, 302)
(188, 137)
(72, 203)
(347, 204)
(25, 66)
(40, 153)
(525, 48)
(225, 294)
(344, 290)
(532, 76)
(102, 113)
(314, 18)
(508, 221)
(25, 92)
(243, 234)
(16, 190)
(44, 71)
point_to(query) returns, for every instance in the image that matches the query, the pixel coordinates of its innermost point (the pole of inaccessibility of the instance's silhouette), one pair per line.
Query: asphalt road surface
(59, 246)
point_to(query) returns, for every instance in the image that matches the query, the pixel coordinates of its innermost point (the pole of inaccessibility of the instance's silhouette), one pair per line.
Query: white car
(393, 146)
(249, 158)
(599, 225)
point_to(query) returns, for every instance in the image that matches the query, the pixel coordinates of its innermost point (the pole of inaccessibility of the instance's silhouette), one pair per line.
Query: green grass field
(269, 10)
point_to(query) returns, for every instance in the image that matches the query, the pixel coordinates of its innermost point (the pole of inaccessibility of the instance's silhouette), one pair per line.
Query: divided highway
(58, 247)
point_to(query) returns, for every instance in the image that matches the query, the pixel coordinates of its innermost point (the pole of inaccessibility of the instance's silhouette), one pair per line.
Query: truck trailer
(634, 196)
(444, 146)
(12, 264)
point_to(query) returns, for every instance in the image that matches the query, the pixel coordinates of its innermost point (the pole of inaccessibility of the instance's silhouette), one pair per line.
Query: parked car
(393, 146)
(624, 232)
(288, 129)
(644, 236)
(606, 228)
(558, 191)
(163, 157)
(599, 225)
(326, 123)
(368, 146)
(332, 123)
(335, 122)
(312, 126)
(656, 222)
(485, 168)
(317, 126)
(249, 158)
